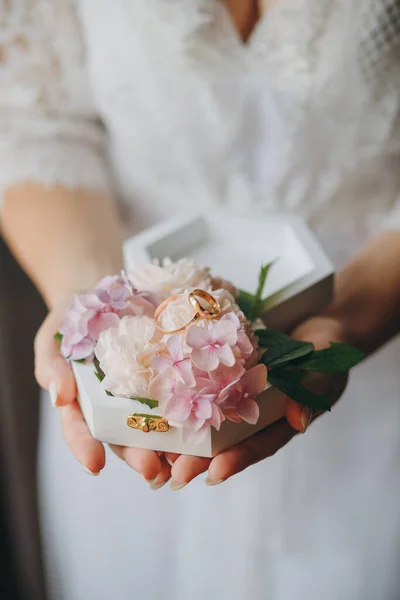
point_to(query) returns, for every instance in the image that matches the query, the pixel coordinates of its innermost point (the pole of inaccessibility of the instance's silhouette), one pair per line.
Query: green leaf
(147, 401)
(143, 415)
(271, 337)
(59, 337)
(245, 302)
(338, 358)
(289, 382)
(262, 278)
(285, 352)
(99, 377)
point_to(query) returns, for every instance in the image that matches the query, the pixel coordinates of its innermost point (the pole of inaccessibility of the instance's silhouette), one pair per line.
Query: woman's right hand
(54, 374)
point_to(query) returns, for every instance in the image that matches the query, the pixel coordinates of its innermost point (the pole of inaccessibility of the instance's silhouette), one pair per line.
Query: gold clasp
(147, 423)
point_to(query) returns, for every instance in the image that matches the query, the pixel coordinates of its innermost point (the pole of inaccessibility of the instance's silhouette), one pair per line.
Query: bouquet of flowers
(172, 336)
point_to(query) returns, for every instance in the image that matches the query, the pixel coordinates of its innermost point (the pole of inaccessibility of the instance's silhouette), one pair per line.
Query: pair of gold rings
(211, 312)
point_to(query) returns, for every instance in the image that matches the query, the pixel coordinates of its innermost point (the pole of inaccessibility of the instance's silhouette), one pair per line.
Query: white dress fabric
(161, 103)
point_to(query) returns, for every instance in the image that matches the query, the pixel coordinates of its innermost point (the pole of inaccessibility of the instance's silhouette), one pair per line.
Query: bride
(115, 115)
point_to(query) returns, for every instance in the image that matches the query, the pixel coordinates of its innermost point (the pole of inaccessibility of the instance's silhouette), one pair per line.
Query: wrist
(367, 294)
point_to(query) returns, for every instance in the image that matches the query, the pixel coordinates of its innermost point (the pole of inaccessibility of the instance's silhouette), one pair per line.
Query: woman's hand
(320, 331)
(365, 313)
(53, 373)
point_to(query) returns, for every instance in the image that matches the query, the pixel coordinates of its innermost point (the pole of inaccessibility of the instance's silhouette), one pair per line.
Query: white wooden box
(299, 285)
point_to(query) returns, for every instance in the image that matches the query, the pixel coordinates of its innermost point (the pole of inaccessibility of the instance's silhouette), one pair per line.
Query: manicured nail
(149, 481)
(210, 482)
(53, 392)
(175, 486)
(156, 485)
(90, 472)
(306, 416)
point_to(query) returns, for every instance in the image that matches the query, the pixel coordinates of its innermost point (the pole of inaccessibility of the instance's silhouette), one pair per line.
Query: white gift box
(299, 285)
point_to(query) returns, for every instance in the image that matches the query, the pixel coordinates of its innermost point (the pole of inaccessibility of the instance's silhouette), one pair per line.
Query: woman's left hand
(320, 331)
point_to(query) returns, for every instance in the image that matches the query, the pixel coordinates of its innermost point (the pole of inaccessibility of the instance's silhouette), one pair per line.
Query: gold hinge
(146, 423)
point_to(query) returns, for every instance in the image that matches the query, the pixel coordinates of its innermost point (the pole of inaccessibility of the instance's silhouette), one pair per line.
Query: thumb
(320, 331)
(52, 371)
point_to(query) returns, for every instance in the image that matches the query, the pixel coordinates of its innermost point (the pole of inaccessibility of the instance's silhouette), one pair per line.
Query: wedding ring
(161, 309)
(211, 312)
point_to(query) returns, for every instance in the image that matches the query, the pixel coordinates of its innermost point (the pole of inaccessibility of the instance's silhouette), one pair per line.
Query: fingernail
(170, 461)
(210, 482)
(175, 486)
(53, 392)
(90, 472)
(149, 481)
(156, 485)
(306, 416)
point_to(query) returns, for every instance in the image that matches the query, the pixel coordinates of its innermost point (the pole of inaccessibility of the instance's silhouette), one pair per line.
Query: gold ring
(161, 309)
(211, 313)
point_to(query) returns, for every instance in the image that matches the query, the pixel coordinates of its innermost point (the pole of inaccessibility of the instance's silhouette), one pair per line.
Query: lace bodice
(161, 102)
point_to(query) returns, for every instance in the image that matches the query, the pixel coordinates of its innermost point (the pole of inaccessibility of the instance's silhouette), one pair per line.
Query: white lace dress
(161, 103)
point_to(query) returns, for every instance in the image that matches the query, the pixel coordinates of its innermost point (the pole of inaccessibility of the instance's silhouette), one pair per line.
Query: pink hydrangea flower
(244, 345)
(98, 310)
(212, 345)
(119, 293)
(84, 321)
(194, 409)
(176, 359)
(238, 401)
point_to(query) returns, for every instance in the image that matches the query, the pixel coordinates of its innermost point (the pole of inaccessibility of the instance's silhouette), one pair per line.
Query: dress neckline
(255, 32)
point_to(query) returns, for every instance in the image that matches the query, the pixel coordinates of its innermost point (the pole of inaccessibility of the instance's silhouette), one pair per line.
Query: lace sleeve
(48, 128)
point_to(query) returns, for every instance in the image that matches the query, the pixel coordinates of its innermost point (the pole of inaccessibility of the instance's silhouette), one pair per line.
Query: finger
(186, 468)
(298, 416)
(87, 451)
(145, 462)
(171, 458)
(52, 371)
(320, 331)
(164, 475)
(259, 446)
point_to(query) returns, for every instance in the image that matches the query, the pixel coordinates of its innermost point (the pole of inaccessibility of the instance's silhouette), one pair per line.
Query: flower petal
(100, 322)
(225, 356)
(198, 337)
(161, 363)
(203, 408)
(82, 350)
(224, 332)
(245, 345)
(248, 410)
(254, 381)
(206, 359)
(185, 370)
(163, 386)
(217, 417)
(178, 408)
(175, 347)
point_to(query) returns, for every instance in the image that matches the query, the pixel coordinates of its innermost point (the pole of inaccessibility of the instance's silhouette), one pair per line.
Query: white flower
(169, 278)
(125, 354)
